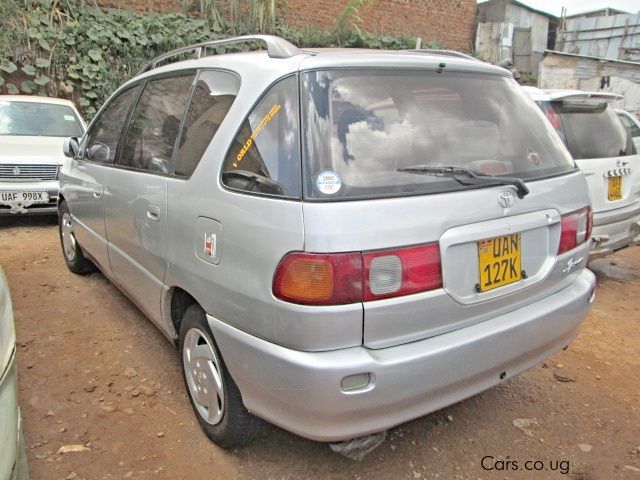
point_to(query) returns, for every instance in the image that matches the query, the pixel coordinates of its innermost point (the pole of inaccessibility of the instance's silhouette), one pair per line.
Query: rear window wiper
(466, 176)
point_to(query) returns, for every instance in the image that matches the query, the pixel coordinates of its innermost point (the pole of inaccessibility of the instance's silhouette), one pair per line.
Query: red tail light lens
(319, 279)
(393, 273)
(552, 115)
(341, 278)
(575, 229)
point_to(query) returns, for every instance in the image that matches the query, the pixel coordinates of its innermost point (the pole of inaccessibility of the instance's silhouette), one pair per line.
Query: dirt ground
(94, 372)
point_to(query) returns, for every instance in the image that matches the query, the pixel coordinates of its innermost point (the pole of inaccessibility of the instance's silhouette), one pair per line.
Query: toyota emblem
(506, 199)
(16, 171)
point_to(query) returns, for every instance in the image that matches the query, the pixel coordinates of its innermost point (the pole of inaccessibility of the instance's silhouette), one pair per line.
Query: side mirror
(99, 152)
(71, 147)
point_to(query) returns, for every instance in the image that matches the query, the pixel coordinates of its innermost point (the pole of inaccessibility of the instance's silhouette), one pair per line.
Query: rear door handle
(153, 213)
(97, 194)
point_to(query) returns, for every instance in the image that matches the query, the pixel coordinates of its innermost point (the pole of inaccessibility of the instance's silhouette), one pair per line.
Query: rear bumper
(51, 187)
(614, 230)
(301, 391)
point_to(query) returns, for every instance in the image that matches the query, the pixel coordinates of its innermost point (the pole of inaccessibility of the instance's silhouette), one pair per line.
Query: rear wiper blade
(466, 176)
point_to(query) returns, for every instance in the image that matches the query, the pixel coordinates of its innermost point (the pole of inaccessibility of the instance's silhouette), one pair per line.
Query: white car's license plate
(24, 197)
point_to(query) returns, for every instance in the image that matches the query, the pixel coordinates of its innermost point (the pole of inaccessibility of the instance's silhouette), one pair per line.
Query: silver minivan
(338, 242)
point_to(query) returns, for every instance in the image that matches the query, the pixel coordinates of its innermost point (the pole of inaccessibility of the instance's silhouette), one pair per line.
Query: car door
(135, 198)
(84, 179)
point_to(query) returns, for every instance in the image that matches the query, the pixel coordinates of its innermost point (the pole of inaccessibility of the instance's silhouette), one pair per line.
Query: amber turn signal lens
(319, 279)
(308, 280)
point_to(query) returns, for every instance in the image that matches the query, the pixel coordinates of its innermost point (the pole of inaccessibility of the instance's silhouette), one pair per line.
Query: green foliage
(529, 79)
(315, 38)
(66, 48)
(238, 17)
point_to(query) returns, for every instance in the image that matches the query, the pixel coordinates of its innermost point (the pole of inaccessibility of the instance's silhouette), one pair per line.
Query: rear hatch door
(460, 228)
(601, 147)
(379, 148)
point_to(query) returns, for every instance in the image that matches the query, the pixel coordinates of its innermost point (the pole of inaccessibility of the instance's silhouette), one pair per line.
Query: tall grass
(241, 16)
(351, 15)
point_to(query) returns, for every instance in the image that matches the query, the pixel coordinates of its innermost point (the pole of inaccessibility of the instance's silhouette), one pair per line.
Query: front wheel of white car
(73, 256)
(214, 396)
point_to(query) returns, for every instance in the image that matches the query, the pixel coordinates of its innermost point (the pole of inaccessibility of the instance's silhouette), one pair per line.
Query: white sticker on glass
(328, 182)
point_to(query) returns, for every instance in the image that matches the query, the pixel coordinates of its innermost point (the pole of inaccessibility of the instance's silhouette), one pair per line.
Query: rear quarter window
(264, 158)
(630, 125)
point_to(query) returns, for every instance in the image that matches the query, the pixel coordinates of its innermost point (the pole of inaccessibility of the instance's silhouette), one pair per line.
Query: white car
(32, 133)
(633, 125)
(13, 461)
(603, 149)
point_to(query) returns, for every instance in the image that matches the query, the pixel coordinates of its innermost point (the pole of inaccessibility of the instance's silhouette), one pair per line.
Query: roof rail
(446, 53)
(276, 48)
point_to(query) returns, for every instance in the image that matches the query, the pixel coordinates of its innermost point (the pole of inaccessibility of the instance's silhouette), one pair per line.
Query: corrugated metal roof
(616, 37)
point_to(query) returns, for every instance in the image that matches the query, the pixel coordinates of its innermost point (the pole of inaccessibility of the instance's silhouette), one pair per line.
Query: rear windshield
(594, 131)
(38, 119)
(361, 126)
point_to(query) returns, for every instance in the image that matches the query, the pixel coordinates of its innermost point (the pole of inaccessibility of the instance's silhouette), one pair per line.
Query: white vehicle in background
(633, 126)
(603, 149)
(13, 461)
(32, 133)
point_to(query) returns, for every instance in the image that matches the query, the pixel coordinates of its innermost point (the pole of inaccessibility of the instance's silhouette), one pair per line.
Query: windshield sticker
(265, 121)
(69, 118)
(328, 182)
(533, 157)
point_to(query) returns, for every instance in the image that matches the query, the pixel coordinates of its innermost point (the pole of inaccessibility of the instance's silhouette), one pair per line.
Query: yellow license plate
(615, 188)
(499, 262)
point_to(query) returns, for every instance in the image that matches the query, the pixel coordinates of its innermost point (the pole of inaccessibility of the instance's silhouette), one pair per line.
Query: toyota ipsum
(338, 242)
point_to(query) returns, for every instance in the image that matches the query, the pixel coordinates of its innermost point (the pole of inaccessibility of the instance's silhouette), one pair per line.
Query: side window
(154, 125)
(265, 155)
(102, 140)
(625, 120)
(212, 97)
(630, 125)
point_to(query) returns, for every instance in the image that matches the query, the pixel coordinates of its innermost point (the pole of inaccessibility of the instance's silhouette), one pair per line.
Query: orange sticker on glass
(247, 145)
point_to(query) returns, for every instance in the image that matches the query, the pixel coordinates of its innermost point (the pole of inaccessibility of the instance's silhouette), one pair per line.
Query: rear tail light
(341, 278)
(551, 112)
(319, 279)
(575, 229)
(394, 273)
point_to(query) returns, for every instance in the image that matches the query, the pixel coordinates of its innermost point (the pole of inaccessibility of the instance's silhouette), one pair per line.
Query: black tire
(237, 426)
(71, 251)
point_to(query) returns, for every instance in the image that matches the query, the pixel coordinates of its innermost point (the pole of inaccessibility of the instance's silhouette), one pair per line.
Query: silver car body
(616, 223)
(13, 461)
(30, 163)
(421, 352)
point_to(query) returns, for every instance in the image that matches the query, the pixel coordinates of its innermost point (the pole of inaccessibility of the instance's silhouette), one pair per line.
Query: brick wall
(450, 22)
